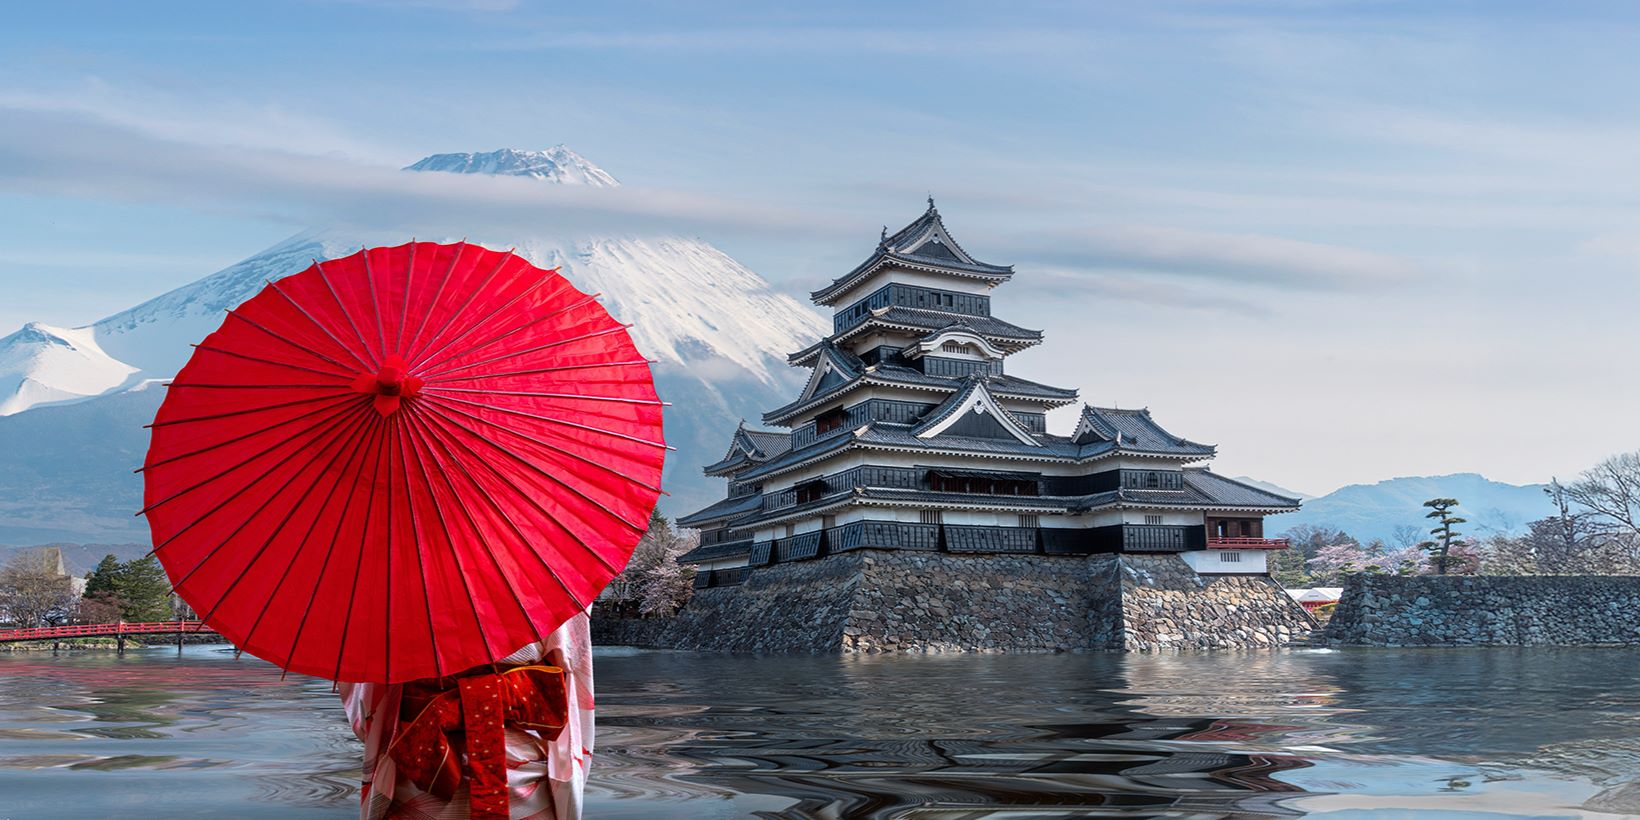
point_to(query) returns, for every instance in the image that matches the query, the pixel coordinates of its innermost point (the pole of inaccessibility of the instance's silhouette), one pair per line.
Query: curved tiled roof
(924, 243)
(727, 508)
(1006, 386)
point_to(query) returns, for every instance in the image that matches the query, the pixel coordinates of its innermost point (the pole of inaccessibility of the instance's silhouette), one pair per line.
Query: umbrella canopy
(404, 463)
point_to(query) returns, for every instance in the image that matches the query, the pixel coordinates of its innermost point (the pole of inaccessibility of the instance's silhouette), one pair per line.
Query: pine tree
(105, 578)
(1440, 549)
(144, 591)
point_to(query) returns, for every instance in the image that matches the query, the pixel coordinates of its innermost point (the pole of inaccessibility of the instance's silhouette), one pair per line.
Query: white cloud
(1227, 257)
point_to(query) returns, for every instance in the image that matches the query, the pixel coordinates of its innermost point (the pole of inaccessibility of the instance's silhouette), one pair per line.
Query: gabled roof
(973, 400)
(1132, 429)
(747, 447)
(1006, 336)
(724, 509)
(924, 244)
(959, 331)
(893, 375)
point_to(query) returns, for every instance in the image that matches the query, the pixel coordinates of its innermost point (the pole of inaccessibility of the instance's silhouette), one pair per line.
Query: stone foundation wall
(938, 602)
(903, 601)
(1167, 606)
(1487, 611)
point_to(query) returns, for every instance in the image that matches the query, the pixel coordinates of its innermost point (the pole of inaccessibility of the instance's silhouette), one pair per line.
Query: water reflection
(1484, 732)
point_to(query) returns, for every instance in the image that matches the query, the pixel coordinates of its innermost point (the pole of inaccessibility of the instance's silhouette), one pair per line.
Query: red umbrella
(404, 463)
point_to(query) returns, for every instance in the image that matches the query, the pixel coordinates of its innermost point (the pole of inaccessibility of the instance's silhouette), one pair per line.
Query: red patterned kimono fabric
(454, 732)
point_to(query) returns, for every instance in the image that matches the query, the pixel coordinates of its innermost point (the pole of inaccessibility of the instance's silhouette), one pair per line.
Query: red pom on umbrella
(404, 463)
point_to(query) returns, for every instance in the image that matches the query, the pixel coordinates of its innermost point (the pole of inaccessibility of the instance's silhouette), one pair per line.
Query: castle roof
(893, 375)
(749, 446)
(925, 244)
(1133, 428)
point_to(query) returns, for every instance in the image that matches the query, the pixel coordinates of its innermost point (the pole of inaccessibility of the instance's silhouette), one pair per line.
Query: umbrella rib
(339, 439)
(528, 350)
(517, 533)
(555, 479)
(550, 420)
(375, 298)
(301, 547)
(404, 309)
(451, 268)
(541, 443)
(358, 561)
(275, 363)
(420, 444)
(537, 370)
(531, 323)
(316, 323)
(415, 538)
(280, 528)
(534, 394)
(466, 512)
(335, 419)
(387, 555)
(347, 314)
(330, 552)
(169, 539)
(264, 386)
(522, 493)
(258, 409)
(253, 323)
(472, 293)
(428, 360)
(259, 431)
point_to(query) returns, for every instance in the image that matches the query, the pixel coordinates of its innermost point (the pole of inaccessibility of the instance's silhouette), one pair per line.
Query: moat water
(1342, 734)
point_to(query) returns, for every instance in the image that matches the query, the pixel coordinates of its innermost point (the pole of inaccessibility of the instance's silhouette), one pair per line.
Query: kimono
(546, 766)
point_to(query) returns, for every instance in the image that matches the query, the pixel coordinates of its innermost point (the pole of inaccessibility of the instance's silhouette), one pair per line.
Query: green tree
(105, 578)
(144, 591)
(1440, 548)
(101, 602)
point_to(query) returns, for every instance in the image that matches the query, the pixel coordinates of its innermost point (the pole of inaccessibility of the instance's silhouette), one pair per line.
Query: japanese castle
(911, 435)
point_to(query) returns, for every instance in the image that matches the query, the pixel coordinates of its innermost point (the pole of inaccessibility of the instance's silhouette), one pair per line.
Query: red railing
(1244, 543)
(105, 630)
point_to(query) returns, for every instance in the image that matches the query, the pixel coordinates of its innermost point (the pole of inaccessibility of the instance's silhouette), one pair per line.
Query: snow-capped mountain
(716, 329)
(556, 164)
(41, 364)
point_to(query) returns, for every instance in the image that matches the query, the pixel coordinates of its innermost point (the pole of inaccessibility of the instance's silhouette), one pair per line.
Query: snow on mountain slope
(719, 333)
(41, 364)
(556, 164)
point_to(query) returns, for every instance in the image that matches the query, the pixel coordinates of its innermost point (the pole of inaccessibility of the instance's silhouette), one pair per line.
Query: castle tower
(911, 435)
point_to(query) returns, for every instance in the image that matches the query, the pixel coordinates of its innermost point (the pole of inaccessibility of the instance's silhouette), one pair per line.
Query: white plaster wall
(1208, 562)
(909, 277)
(1169, 517)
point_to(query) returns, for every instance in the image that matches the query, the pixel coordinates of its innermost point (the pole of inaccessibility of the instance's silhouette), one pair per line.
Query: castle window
(954, 347)
(1031, 520)
(811, 491)
(931, 516)
(1153, 520)
(1229, 557)
(1246, 528)
(830, 420)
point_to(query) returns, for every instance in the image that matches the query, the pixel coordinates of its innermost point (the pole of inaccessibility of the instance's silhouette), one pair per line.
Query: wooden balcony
(1245, 543)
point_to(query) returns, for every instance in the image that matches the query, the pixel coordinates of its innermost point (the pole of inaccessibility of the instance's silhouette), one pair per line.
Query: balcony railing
(1245, 543)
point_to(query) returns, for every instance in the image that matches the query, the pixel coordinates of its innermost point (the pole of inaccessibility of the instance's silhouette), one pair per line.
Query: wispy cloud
(1236, 258)
(79, 154)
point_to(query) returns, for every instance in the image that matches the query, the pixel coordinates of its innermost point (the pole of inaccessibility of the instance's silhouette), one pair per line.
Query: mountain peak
(556, 164)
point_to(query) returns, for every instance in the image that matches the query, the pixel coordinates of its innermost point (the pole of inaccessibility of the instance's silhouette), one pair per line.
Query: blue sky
(1344, 241)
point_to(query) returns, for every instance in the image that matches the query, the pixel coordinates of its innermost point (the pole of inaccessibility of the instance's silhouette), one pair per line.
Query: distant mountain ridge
(1369, 511)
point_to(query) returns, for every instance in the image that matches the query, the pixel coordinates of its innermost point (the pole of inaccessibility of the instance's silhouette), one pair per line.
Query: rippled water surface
(1428, 733)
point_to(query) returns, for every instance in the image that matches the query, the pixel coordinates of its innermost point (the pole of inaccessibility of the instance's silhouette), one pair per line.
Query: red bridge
(115, 630)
